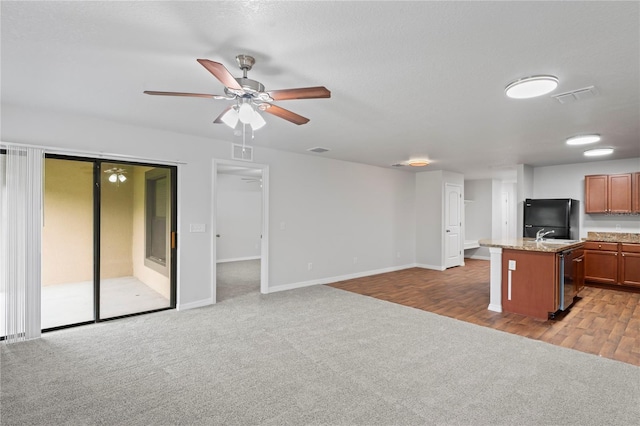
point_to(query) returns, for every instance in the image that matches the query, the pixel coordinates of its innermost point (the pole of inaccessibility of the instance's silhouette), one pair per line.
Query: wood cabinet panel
(630, 248)
(620, 193)
(578, 265)
(601, 266)
(534, 284)
(611, 193)
(596, 245)
(635, 192)
(630, 269)
(596, 193)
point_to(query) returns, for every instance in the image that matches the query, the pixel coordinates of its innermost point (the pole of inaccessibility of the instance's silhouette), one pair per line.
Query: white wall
(524, 190)
(328, 212)
(478, 214)
(239, 218)
(333, 211)
(567, 181)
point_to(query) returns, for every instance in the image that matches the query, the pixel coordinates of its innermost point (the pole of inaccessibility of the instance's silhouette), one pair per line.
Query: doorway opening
(240, 218)
(108, 240)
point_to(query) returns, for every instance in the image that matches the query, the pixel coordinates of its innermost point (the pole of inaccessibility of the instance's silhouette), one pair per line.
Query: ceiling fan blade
(193, 95)
(301, 93)
(284, 113)
(221, 73)
(219, 118)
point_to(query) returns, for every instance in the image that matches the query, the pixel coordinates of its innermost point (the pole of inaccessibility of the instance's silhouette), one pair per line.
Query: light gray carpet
(235, 279)
(316, 355)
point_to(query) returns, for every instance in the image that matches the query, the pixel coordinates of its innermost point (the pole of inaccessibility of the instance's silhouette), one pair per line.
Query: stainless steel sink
(559, 241)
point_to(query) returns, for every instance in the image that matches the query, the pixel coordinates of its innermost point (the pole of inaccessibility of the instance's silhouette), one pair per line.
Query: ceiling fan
(250, 95)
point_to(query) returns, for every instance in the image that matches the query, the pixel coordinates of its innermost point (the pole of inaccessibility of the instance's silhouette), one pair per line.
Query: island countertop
(530, 244)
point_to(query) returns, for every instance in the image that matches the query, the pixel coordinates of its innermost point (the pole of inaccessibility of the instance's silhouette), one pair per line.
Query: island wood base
(532, 288)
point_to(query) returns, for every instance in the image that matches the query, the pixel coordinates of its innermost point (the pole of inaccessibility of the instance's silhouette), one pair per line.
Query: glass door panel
(135, 239)
(67, 243)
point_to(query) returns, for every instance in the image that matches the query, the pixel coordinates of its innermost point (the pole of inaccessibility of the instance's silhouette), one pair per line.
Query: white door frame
(264, 243)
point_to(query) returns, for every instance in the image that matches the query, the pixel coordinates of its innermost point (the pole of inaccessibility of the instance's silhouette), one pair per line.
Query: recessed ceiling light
(418, 163)
(598, 151)
(530, 87)
(583, 139)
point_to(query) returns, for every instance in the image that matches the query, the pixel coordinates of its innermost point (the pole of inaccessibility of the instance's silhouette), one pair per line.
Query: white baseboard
(328, 280)
(479, 257)
(495, 308)
(238, 259)
(197, 304)
(434, 267)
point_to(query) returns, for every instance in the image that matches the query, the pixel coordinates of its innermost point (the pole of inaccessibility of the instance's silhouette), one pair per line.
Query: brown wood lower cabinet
(612, 263)
(630, 264)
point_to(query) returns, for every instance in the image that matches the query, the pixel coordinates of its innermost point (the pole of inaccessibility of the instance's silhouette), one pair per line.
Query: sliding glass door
(67, 291)
(135, 239)
(108, 240)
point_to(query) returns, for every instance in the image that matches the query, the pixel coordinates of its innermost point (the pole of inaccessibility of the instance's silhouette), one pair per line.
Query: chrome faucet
(540, 235)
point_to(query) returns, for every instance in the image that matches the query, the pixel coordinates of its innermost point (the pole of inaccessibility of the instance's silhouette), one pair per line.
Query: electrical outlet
(398, 255)
(309, 266)
(512, 265)
(355, 260)
(618, 227)
(282, 226)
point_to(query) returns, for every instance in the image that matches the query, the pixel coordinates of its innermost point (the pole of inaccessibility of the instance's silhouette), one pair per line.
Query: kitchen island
(534, 278)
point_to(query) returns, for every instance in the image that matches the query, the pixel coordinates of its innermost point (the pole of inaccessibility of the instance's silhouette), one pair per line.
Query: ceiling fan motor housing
(250, 86)
(245, 62)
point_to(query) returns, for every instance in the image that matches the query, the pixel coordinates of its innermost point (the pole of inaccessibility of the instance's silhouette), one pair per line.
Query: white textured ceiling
(408, 79)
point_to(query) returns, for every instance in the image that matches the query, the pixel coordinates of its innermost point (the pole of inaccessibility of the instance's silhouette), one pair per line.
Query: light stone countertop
(613, 237)
(529, 244)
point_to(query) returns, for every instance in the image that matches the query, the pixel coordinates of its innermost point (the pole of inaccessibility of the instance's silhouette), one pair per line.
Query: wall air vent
(576, 95)
(318, 150)
(239, 152)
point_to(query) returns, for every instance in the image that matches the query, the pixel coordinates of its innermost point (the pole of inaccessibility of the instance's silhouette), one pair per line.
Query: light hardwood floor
(602, 321)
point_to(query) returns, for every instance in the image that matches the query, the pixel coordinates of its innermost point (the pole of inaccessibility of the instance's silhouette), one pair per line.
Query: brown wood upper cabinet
(635, 192)
(609, 193)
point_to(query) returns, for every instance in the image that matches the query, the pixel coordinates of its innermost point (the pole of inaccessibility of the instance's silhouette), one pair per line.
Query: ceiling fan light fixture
(122, 177)
(230, 118)
(531, 87)
(598, 152)
(113, 178)
(246, 113)
(257, 122)
(583, 139)
(418, 163)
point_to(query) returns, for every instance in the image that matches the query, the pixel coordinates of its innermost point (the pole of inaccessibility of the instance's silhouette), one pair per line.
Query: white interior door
(453, 225)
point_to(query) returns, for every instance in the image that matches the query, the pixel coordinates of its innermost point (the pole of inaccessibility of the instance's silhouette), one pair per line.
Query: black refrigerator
(559, 215)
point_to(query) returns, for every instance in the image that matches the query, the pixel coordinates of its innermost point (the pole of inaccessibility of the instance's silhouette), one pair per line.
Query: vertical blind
(20, 246)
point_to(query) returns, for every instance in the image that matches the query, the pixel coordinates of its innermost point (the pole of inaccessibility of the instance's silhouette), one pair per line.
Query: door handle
(448, 230)
(218, 235)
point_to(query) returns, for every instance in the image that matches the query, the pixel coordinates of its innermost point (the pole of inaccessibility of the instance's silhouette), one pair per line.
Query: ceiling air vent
(398, 165)
(318, 149)
(239, 152)
(576, 95)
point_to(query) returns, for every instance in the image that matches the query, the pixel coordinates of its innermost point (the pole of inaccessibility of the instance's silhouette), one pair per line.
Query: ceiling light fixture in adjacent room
(116, 175)
(598, 152)
(418, 162)
(583, 139)
(530, 87)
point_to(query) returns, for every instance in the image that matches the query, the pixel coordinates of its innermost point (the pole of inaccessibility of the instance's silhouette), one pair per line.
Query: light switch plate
(197, 227)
